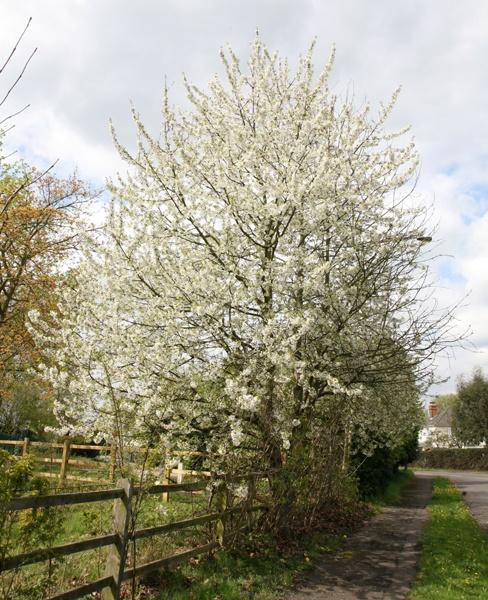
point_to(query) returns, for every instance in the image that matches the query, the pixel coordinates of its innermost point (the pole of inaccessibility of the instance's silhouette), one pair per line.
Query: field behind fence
(63, 463)
(135, 529)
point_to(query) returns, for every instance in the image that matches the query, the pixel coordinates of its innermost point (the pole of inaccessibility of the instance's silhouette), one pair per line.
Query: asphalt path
(474, 487)
(377, 562)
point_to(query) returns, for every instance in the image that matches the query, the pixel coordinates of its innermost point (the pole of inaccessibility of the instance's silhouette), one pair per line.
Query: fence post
(25, 446)
(64, 462)
(168, 481)
(220, 506)
(179, 477)
(116, 559)
(113, 458)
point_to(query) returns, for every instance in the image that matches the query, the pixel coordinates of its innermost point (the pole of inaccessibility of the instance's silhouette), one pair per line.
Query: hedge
(453, 458)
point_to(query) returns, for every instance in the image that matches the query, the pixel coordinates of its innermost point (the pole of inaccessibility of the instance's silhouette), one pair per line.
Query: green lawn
(260, 572)
(454, 561)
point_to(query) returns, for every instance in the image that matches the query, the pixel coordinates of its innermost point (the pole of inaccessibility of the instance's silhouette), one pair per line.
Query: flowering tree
(259, 279)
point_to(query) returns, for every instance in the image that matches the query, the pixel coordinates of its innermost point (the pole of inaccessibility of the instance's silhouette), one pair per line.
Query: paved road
(473, 485)
(379, 561)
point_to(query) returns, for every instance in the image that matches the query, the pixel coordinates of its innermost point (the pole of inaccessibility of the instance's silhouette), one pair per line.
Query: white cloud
(94, 57)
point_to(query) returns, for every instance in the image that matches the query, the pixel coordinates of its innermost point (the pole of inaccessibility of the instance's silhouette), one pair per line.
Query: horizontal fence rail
(28, 558)
(25, 502)
(88, 588)
(118, 540)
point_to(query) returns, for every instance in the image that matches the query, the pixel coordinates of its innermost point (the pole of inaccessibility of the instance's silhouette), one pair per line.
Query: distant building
(437, 432)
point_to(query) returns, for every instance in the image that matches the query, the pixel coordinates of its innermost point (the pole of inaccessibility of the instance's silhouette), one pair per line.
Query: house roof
(442, 419)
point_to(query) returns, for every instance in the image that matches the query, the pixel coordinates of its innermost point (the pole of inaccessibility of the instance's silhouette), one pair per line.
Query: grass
(260, 574)
(259, 570)
(454, 564)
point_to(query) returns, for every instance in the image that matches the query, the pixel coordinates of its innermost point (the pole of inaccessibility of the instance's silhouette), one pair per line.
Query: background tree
(446, 401)
(38, 215)
(471, 409)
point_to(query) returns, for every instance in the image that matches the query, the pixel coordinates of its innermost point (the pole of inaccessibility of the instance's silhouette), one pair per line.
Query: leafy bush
(21, 531)
(373, 472)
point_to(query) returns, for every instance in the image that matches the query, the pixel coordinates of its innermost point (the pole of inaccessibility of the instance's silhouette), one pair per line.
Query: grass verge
(453, 564)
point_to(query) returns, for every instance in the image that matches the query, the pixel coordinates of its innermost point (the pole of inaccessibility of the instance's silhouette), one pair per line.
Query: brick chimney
(432, 409)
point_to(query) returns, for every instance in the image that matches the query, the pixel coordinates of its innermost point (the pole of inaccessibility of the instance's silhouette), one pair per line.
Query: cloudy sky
(95, 56)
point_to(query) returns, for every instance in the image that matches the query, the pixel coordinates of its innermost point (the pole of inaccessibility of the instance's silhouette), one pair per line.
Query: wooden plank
(73, 446)
(116, 558)
(40, 459)
(75, 478)
(173, 487)
(169, 560)
(175, 526)
(11, 443)
(169, 452)
(185, 523)
(90, 447)
(35, 556)
(75, 462)
(83, 590)
(67, 498)
(168, 480)
(113, 462)
(186, 453)
(47, 444)
(190, 472)
(64, 462)
(221, 499)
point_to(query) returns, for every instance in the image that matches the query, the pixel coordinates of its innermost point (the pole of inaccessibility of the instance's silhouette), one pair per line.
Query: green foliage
(26, 409)
(446, 401)
(453, 564)
(471, 409)
(392, 492)
(21, 531)
(374, 471)
(454, 458)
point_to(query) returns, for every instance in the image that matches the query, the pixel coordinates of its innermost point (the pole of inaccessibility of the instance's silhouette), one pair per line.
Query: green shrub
(374, 472)
(21, 531)
(454, 458)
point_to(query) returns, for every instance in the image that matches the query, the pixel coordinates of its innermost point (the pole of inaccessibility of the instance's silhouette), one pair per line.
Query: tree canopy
(471, 409)
(260, 278)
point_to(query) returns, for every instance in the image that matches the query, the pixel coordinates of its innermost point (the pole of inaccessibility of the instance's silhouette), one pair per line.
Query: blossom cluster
(258, 271)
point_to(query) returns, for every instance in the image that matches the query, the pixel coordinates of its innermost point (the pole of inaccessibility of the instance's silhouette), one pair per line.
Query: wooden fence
(64, 460)
(123, 495)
